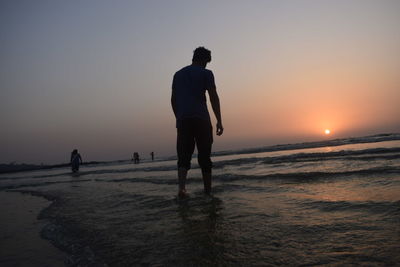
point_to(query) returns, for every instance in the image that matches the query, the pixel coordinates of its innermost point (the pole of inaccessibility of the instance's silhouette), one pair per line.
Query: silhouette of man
(193, 122)
(136, 158)
(76, 159)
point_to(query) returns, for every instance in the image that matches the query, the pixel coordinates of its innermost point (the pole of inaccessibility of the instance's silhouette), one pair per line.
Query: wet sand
(20, 241)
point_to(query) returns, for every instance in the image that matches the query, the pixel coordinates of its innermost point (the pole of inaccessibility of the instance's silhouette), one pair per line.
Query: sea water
(290, 205)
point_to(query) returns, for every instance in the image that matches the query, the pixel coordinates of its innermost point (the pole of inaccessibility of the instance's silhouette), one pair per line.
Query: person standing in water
(136, 158)
(76, 159)
(193, 121)
(152, 155)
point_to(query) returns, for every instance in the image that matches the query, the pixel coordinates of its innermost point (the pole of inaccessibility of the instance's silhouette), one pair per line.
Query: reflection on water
(356, 189)
(202, 236)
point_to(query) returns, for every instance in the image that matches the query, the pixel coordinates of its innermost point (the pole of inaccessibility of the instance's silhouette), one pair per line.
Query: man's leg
(204, 140)
(182, 174)
(185, 146)
(207, 182)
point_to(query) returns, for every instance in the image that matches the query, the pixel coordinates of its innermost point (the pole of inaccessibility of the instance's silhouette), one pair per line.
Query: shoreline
(20, 232)
(18, 168)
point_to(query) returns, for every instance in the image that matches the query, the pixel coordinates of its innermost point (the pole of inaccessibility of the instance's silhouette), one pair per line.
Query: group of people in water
(136, 157)
(76, 159)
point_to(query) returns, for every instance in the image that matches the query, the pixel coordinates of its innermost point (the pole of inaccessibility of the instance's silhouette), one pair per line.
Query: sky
(96, 75)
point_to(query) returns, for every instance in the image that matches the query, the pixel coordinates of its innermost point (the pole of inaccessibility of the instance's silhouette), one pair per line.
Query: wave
(294, 176)
(310, 175)
(153, 180)
(94, 172)
(37, 184)
(330, 143)
(366, 154)
(299, 176)
(370, 206)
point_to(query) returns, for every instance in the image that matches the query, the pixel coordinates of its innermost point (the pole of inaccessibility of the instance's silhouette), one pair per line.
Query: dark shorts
(193, 132)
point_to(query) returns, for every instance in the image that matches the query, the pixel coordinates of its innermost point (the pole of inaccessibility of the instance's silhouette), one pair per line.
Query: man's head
(201, 56)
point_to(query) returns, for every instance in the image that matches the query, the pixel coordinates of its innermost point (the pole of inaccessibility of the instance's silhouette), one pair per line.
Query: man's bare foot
(182, 193)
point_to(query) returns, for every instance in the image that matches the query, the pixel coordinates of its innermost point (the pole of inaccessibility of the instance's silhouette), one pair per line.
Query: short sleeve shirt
(189, 86)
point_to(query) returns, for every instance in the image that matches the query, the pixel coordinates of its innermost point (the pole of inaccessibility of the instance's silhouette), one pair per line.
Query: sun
(327, 131)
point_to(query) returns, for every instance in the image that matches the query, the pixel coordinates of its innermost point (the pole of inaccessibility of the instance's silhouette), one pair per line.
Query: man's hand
(220, 129)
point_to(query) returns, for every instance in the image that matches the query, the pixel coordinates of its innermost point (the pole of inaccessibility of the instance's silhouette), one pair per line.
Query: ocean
(323, 203)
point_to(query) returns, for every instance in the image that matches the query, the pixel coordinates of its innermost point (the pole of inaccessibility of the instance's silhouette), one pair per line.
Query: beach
(297, 205)
(20, 241)
(199, 133)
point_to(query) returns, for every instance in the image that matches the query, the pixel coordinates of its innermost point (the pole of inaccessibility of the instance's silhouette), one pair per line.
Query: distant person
(136, 158)
(76, 159)
(152, 155)
(193, 122)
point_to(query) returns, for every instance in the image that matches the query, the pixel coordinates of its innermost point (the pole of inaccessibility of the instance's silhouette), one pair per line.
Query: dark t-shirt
(75, 159)
(190, 85)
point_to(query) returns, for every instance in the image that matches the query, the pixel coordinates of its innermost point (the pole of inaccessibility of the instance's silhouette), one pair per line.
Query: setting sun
(327, 131)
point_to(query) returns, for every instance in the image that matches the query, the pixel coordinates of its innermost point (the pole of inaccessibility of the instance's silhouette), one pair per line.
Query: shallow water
(329, 205)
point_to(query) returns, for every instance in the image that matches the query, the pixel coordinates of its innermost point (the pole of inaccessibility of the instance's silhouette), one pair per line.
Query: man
(76, 159)
(193, 122)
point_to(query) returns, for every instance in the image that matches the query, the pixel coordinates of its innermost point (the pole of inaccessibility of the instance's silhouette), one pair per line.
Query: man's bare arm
(214, 99)
(173, 102)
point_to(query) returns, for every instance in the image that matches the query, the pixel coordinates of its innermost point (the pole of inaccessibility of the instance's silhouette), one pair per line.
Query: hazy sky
(96, 75)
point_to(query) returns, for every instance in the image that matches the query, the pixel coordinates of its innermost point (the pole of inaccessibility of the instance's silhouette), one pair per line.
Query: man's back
(190, 85)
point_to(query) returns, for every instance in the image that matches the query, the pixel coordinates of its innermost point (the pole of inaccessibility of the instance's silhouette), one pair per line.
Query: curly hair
(201, 54)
